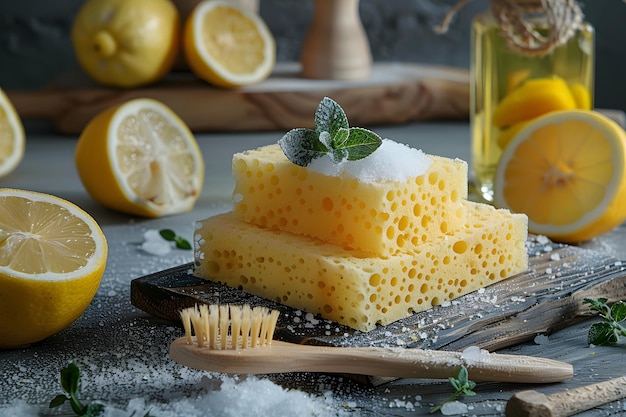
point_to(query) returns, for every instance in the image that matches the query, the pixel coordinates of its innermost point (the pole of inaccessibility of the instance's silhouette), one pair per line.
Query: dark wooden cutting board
(547, 297)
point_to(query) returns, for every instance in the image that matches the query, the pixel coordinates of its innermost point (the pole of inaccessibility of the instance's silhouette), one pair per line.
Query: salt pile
(392, 161)
(155, 244)
(251, 396)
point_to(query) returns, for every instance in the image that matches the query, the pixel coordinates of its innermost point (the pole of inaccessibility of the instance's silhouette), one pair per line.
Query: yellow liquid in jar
(497, 70)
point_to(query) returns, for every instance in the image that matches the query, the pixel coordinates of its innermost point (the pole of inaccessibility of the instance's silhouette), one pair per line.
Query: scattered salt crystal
(392, 161)
(555, 257)
(19, 408)
(473, 354)
(154, 243)
(453, 408)
(541, 339)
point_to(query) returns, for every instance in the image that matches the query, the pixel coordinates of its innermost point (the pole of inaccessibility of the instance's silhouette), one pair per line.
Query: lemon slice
(52, 257)
(12, 138)
(140, 158)
(227, 45)
(566, 171)
(126, 43)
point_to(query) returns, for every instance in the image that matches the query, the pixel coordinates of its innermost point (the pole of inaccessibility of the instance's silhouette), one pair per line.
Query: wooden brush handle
(281, 357)
(566, 403)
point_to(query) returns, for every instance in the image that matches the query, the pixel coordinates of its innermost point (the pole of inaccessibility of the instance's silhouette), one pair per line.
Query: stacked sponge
(359, 253)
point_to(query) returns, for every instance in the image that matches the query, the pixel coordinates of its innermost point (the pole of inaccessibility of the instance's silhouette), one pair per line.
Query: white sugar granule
(392, 161)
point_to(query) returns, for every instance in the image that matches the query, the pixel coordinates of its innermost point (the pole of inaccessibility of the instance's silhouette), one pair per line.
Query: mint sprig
(171, 236)
(608, 331)
(70, 381)
(462, 386)
(332, 136)
(71, 384)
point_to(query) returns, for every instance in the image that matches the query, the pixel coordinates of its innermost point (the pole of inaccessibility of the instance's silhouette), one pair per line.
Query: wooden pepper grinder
(336, 46)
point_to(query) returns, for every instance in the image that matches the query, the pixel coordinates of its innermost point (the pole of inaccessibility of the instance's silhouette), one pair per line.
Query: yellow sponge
(354, 287)
(383, 218)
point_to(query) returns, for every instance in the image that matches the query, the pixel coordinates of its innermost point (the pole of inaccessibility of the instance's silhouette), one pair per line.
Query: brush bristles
(229, 326)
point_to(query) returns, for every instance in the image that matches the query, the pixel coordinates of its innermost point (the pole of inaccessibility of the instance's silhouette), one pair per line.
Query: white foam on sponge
(392, 161)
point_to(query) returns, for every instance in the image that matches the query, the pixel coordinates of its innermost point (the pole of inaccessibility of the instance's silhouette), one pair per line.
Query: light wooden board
(394, 93)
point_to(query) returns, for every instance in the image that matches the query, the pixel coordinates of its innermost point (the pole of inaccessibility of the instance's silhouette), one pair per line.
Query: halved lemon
(12, 137)
(140, 158)
(567, 171)
(227, 45)
(52, 257)
(126, 43)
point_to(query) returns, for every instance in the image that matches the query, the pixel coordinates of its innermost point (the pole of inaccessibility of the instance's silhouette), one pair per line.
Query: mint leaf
(360, 143)
(330, 117)
(462, 386)
(608, 331)
(332, 135)
(171, 236)
(301, 146)
(602, 334)
(168, 234)
(618, 311)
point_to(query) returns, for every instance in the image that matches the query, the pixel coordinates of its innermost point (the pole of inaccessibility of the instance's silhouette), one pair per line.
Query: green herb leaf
(70, 382)
(462, 386)
(171, 236)
(602, 334)
(608, 331)
(330, 117)
(302, 145)
(58, 401)
(168, 234)
(182, 243)
(361, 143)
(332, 135)
(618, 311)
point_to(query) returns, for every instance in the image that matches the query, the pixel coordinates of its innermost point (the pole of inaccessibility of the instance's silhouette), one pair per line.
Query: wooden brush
(238, 340)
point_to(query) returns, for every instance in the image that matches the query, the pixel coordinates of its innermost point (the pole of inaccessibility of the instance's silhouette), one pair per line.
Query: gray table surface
(123, 351)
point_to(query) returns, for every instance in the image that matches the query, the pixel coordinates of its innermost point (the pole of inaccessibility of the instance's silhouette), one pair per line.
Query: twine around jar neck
(562, 18)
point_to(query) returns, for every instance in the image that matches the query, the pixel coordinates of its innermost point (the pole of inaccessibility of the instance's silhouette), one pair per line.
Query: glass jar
(510, 87)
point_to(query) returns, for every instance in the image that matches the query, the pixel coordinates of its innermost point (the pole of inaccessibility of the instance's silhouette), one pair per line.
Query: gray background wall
(35, 46)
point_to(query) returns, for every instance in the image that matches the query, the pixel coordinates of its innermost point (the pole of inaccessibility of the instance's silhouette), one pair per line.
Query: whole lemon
(126, 43)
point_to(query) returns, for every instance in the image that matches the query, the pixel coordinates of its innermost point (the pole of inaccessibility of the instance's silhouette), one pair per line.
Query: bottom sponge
(352, 287)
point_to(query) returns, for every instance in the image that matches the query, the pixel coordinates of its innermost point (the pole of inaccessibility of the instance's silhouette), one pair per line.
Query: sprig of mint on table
(172, 236)
(70, 381)
(332, 136)
(462, 386)
(608, 331)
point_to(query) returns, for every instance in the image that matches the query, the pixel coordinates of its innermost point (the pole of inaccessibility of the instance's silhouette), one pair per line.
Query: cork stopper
(561, 18)
(517, 21)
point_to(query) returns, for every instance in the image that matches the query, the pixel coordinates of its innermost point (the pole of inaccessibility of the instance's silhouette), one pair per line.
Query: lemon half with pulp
(12, 137)
(567, 171)
(227, 45)
(52, 257)
(140, 158)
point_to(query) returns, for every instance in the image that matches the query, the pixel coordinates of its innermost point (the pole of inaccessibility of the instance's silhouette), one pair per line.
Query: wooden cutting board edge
(394, 93)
